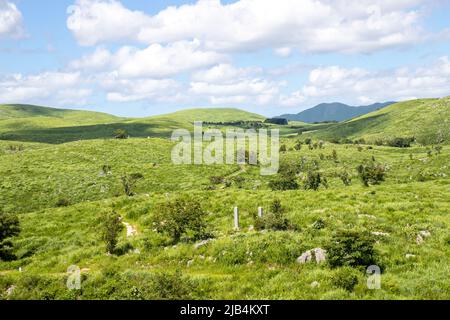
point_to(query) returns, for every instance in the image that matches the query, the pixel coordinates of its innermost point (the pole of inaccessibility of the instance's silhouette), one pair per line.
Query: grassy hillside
(47, 125)
(61, 189)
(428, 120)
(235, 265)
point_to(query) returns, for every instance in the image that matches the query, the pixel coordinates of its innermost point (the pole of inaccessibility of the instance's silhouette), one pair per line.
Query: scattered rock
(425, 234)
(419, 239)
(368, 216)
(251, 228)
(410, 256)
(202, 243)
(421, 236)
(318, 254)
(10, 290)
(380, 234)
(315, 284)
(189, 263)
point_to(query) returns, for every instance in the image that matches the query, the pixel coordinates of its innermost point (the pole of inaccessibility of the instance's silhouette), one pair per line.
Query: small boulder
(315, 284)
(317, 254)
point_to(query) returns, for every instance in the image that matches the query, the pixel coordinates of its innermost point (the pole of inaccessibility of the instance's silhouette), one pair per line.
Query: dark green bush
(283, 183)
(371, 173)
(400, 142)
(352, 249)
(346, 278)
(183, 217)
(215, 180)
(62, 202)
(314, 180)
(129, 182)
(9, 228)
(346, 178)
(111, 228)
(121, 134)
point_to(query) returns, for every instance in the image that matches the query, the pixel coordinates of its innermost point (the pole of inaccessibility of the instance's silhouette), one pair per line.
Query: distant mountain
(427, 120)
(333, 112)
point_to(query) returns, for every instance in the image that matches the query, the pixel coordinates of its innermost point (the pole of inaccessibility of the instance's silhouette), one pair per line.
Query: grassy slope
(237, 265)
(47, 125)
(423, 119)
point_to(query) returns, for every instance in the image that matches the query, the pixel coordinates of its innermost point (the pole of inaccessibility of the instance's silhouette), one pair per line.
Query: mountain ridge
(336, 111)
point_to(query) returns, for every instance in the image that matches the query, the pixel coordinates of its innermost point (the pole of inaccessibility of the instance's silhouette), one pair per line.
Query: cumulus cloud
(357, 85)
(308, 25)
(60, 88)
(226, 84)
(155, 61)
(10, 20)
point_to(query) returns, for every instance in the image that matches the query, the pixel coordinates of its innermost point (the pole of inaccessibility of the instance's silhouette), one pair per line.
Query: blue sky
(138, 58)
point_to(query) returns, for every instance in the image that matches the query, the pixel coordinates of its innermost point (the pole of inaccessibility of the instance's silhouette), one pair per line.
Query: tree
(111, 228)
(130, 181)
(183, 217)
(9, 228)
(283, 148)
(121, 134)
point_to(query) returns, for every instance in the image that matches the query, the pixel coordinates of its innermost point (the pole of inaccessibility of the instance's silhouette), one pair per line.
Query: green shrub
(351, 248)
(314, 180)
(9, 228)
(345, 178)
(129, 182)
(371, 173)
(172, 286)
(62, 202)
(215, 180)
(298, 146)
(111, 228)
(283, 148)
(121, 134)
(346, 278)
(183, 217)
(319, 224)
(400, 142)
(274, 219)
(283, 183)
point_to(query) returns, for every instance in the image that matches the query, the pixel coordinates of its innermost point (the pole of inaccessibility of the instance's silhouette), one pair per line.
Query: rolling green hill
(47, 125)
(428, 120)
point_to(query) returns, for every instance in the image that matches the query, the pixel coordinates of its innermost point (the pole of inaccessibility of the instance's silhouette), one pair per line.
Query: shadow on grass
(98, 131)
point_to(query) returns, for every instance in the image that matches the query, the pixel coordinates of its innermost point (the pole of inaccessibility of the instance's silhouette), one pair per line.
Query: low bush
(346, 278)
(181, 218)
(351, 249)
(111, 228)
(9, 228)
(371, 173)
(274, 219)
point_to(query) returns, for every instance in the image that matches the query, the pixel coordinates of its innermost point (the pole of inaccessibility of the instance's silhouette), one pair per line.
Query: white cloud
(58, 87)
(283, 52)
(155, 61)
(226, 84)
(10, 20)
(357, 85)
(95, 21)
(308, 25)
(224, 73)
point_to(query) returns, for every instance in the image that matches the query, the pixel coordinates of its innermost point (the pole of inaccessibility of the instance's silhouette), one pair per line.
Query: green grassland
(245, 264)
